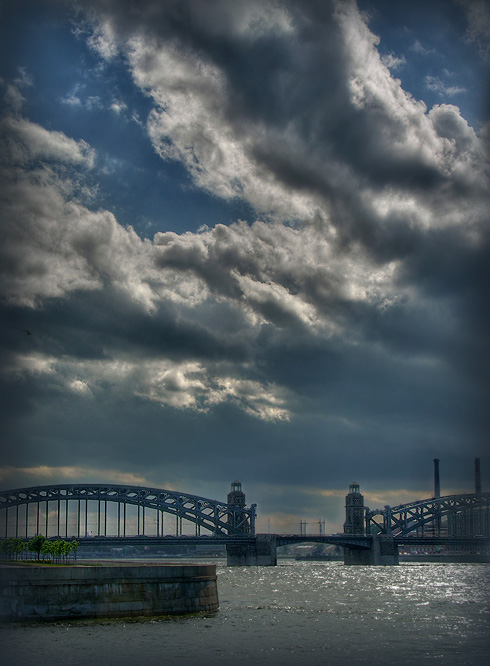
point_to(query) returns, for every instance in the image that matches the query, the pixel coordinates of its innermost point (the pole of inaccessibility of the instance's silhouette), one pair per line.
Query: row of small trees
(56, 551)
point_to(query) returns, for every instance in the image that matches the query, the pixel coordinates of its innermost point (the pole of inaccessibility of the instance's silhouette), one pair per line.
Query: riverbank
(50, 592)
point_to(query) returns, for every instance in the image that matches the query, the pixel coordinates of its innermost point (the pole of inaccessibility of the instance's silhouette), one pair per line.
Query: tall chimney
(477, 476)
(437, 484)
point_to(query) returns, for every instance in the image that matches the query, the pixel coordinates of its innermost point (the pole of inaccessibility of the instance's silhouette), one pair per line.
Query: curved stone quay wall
(56, 593)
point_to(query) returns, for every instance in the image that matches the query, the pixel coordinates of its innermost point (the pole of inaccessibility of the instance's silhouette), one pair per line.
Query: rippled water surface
(295, 613)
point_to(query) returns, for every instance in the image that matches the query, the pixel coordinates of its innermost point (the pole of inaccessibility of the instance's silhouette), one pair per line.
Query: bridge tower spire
(354, 511)
(236, 496)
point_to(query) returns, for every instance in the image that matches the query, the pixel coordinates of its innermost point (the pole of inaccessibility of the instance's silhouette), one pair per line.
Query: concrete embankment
(54, 593)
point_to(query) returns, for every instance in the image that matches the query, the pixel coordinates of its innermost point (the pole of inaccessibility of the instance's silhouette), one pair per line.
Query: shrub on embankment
(56, 551)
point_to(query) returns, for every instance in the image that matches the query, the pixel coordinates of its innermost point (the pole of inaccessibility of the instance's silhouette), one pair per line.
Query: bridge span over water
(123, 514)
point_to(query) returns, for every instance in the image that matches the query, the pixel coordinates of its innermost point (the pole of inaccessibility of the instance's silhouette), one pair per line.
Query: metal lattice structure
(55, 503)
(432, 516)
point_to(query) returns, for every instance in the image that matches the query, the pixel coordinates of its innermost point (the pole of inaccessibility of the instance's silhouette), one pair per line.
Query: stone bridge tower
(259, 551)
(236, 497)
(354, 511)
(383, 549)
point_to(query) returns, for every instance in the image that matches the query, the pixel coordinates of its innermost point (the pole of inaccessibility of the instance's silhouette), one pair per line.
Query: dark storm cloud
(456, 274)
(90, 326)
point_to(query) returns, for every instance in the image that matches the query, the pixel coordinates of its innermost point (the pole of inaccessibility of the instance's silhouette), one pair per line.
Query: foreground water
(319, 613)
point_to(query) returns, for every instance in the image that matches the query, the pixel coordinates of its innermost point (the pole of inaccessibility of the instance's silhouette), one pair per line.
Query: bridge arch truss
(452, 515)
(67, 510)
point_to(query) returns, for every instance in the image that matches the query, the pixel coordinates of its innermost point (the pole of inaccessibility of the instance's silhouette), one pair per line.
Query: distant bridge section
(452, 520)
(465, 515)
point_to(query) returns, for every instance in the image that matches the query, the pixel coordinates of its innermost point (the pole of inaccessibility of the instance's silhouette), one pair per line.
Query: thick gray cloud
(344, 328)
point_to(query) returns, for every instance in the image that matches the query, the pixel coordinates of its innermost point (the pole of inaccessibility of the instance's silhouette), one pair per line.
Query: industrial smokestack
(477, 476)
(437, 484)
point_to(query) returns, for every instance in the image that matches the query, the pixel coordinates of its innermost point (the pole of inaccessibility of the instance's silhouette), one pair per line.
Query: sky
(246, 240)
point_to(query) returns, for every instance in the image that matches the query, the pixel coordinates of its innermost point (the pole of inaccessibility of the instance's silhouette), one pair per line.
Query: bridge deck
(351, 541)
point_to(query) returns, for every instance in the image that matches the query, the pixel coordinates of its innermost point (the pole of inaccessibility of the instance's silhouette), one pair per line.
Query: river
(311, 613)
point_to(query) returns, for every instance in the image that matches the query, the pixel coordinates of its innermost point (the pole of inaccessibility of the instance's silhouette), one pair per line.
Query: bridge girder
(347, 540)
(405, 519)
(217, 517)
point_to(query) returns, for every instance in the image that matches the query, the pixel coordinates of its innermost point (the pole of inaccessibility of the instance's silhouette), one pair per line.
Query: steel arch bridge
(53, 504)
(432, 516)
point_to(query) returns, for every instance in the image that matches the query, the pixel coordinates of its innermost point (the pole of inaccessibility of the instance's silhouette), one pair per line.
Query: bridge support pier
(260, 553)
(383, 551)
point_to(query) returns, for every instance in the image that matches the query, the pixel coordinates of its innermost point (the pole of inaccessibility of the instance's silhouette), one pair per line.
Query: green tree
(35, 544)
(19, 547)
(74, 547)
(9, 547)
(47, 549)
(58, 549)
(12, 547)
(66, 549)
